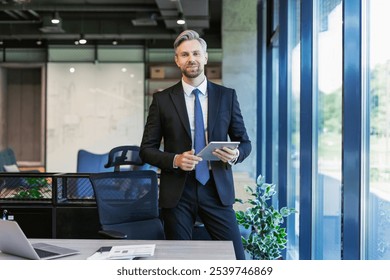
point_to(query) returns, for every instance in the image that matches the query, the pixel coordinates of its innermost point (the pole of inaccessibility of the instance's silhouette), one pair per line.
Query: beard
(190, 71)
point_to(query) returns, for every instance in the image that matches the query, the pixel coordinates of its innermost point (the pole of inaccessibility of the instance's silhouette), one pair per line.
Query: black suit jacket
(168, 122)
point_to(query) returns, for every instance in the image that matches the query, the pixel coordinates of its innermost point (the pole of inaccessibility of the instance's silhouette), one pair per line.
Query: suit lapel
(214, 97)
(177, 96)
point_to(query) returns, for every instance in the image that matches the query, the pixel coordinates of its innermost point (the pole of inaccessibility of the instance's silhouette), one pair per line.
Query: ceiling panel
(150, 22)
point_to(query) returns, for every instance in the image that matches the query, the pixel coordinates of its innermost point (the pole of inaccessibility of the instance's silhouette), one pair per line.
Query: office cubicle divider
(47, 205)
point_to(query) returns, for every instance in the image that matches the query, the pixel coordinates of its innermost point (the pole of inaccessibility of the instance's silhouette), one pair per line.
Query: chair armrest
(113, 234)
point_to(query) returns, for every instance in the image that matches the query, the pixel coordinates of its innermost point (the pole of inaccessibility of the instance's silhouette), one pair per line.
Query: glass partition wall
(328, 129)
(328, 149)
(378, 132)
(293, 124)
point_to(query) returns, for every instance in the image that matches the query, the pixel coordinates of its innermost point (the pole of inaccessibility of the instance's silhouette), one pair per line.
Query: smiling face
(191, 59)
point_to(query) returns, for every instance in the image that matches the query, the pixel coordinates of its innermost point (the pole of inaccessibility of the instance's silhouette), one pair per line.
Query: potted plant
(36, 189)
(266, 238)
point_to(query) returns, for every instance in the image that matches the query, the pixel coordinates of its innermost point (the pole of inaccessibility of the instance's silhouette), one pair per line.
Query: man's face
(191, 58)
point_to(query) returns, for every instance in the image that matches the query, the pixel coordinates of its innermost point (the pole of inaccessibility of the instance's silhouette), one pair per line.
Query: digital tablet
(207, 152)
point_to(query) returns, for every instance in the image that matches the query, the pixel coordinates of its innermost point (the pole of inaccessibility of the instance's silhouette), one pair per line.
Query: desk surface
(165, 249)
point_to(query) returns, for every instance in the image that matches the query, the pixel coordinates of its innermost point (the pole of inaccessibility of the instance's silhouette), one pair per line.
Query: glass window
(378, 210)
(264, 75)
(328, 130)
(275, 95)
(294, 64)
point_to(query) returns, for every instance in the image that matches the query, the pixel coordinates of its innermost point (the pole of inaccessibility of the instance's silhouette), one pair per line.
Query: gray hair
(188, 35)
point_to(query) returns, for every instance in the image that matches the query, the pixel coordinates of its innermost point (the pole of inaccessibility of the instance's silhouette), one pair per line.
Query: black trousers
(219, 220)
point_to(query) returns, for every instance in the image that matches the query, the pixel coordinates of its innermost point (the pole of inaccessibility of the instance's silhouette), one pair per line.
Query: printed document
(126, 252)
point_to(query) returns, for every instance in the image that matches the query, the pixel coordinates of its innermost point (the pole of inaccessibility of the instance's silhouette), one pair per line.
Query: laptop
(13, 241)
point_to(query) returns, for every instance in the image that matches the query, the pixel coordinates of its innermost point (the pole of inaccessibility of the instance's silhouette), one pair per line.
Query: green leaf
(267, 238)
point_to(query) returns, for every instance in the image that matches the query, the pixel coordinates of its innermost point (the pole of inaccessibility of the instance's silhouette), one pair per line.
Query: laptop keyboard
(44, 254)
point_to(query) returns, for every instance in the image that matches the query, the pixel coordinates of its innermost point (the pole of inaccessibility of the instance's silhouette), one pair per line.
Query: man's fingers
(225, 154)
(188, 160)
(229, 151)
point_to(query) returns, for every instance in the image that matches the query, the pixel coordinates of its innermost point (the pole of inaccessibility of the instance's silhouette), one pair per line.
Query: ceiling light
(181, 19)
(82, 40)
(115, 42)
(56, 18)
(49, 26)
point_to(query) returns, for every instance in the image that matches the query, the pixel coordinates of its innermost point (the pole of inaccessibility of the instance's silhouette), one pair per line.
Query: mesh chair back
(124, 155)
(127, 196)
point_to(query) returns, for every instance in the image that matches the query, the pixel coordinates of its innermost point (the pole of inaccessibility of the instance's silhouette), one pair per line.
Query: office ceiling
(147, 22)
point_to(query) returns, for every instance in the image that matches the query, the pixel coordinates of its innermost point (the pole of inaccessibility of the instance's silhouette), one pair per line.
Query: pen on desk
(103, 249)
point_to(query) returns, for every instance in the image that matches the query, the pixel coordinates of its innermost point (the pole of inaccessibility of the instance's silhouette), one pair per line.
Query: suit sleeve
(151, 141)
(237, 130)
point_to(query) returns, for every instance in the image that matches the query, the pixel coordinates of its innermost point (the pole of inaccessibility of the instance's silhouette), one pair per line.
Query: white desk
(165, 249)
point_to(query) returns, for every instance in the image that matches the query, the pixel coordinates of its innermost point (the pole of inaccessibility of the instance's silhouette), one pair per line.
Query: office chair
(127, 204)
(127, 201)
(128, 156)
(8, 164)
(87, 162)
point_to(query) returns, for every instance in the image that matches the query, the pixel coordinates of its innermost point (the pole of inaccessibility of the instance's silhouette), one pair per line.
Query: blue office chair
(87, 162)
(127, 204)
(127, 201)
(8, 164)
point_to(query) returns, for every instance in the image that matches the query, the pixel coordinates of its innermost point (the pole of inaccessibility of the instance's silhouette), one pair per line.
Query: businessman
(182, 120)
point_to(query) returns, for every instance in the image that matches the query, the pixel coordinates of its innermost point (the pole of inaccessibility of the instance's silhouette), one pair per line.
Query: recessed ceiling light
(82, 40)
(56, 18)
(181, 19)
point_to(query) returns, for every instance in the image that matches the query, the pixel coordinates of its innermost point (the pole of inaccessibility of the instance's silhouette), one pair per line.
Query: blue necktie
(201, 170)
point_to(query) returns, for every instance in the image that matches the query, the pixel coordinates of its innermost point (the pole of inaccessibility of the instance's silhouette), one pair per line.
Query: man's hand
(187, 160)
(226, 154)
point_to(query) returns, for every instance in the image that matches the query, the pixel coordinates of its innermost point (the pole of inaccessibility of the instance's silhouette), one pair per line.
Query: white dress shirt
(190, 103)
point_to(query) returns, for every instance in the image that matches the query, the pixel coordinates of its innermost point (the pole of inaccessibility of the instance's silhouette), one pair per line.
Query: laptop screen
(13, 241)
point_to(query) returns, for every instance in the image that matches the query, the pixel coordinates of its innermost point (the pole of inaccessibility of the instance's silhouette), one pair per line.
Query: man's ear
(206, 55)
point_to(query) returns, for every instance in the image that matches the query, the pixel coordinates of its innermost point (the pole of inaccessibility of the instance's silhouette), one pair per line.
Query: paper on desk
(127, 252)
